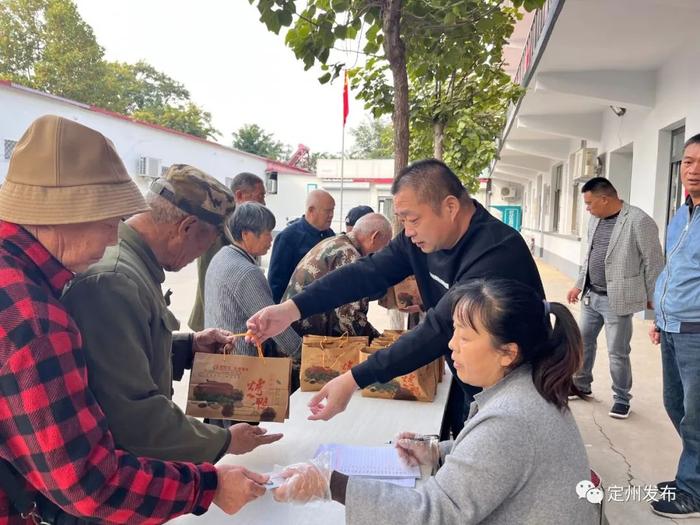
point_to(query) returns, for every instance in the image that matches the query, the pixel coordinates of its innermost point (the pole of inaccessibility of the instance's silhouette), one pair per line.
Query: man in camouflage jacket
(370, 234)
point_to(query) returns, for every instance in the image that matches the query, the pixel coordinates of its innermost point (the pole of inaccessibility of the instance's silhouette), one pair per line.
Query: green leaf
(285, 18)
(340, 6)
(323, 79)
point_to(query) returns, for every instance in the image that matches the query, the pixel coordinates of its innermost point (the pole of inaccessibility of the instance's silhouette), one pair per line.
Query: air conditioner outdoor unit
(508, 192)
(149, 167)
(584, 165)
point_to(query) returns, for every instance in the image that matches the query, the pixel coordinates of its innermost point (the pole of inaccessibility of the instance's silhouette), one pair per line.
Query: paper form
(378, 462)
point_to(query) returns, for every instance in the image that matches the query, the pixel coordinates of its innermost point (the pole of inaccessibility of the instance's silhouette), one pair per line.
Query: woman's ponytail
(512, 312)
(555, 365)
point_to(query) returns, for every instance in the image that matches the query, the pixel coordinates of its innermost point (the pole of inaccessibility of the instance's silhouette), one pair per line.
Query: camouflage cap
(195, 192)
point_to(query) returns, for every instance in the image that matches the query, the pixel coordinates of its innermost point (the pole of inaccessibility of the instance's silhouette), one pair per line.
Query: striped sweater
(234, 289)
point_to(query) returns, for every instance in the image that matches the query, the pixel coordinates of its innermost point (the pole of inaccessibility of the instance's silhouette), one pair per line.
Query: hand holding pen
(418, 449)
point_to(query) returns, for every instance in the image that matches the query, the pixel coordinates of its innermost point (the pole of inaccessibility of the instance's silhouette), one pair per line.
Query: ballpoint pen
(419, 437)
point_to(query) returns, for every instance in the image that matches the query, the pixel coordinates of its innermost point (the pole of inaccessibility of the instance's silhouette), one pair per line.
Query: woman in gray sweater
(235, 287)
(519, 458)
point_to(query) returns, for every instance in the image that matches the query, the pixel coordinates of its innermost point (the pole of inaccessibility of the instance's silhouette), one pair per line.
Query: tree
(310, 162)
(46, 45)
(253, 139)
(459, 31)
(188, 118)
(135, 87)
(457, 118)
(373, 140)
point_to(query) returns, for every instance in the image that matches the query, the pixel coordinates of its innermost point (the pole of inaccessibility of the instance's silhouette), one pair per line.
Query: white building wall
(647, 133)
(290, 200)
(364, 183)
(18, 108)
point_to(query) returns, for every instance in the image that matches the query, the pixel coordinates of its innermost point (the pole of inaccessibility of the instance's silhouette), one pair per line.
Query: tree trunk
(438, 139)
(396, 54)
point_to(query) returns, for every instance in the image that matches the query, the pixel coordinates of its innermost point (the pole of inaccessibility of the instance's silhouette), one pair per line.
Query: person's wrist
(292, 310)
(350, 381)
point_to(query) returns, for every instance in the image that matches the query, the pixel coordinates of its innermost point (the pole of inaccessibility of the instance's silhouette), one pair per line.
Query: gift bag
(402, 295)
(239, 387)
(324, 358)
(419, 385)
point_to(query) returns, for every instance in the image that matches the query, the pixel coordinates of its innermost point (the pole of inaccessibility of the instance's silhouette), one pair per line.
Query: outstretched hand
(271, 321)
(336, 394)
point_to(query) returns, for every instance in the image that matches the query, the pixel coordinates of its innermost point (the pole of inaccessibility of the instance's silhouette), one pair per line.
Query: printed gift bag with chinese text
(324, 358)
(239, 387)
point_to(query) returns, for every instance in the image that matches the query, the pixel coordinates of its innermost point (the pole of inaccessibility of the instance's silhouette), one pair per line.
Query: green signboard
(511, 215)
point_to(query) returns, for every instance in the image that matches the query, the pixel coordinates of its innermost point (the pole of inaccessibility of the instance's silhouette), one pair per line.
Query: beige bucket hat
(62, 172)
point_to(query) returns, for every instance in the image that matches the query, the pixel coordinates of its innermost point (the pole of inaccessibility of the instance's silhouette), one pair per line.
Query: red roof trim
(278, 166)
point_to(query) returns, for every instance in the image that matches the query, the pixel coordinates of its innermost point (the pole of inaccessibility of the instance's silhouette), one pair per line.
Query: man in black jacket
(295, 241)
(448, 239)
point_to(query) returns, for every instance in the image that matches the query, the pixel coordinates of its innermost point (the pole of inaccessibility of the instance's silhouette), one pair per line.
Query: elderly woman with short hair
(235, 287)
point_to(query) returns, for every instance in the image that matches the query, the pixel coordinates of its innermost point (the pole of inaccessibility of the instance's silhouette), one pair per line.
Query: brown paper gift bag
(239, 387)
(402, 295)
(324, 358)
(419, 385)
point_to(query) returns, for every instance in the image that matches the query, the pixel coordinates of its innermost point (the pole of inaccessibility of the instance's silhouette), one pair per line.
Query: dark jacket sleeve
(508, 258)
(281, 264)
(367, 277)
(182, 356)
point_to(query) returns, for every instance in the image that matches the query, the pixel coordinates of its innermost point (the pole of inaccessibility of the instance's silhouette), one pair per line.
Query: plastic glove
(305, 482)
(415, 453)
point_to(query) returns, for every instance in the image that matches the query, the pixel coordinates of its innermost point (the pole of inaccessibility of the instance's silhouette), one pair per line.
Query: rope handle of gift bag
(228, 348)
(343, 339)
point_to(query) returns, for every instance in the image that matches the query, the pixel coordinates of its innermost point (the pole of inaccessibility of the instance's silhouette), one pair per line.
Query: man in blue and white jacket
(677, 328)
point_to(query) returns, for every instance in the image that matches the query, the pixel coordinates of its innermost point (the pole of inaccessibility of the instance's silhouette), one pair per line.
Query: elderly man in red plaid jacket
(60, 205)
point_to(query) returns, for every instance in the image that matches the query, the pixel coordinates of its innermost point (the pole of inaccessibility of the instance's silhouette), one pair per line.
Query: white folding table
(366, 421)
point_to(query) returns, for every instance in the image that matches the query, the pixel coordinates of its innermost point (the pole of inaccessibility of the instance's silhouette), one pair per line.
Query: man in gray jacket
(617, 277)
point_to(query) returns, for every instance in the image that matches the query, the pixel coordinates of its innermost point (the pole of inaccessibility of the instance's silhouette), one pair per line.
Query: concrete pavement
(639, 451)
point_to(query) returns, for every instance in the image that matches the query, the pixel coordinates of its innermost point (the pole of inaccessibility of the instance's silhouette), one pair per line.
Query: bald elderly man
(371, 233)
(295, 241)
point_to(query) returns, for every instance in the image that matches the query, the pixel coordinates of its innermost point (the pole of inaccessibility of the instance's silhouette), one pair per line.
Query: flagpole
(342, 177)
(342, 147)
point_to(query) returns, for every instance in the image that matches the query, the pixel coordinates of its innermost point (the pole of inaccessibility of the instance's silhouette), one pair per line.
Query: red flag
(346, 106)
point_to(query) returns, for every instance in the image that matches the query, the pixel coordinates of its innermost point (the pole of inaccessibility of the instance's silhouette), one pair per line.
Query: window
(386, 207)
(9, 148)
(545, 206)
(537, 208)
(574, 210)
(556, 192)
(311, 187)
(271, 182)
